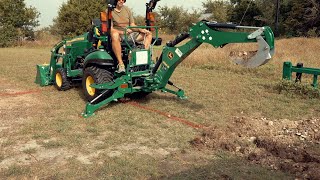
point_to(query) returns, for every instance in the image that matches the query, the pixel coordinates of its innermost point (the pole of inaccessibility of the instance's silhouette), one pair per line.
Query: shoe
(121, 69)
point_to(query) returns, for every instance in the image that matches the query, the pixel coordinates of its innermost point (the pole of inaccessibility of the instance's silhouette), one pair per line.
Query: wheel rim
(58, 79)
(91, 91)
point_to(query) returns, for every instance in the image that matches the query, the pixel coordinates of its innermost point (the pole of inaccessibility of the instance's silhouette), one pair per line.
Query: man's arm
(145, 31)
(132, 24)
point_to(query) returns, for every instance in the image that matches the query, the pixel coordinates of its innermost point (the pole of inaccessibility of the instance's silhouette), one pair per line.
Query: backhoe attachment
(216, 34)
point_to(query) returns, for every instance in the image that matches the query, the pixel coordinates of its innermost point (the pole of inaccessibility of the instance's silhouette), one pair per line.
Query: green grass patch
(226, 166)
(92, 130)
(2, 157)
(16, 171)
(30, 151)
(40, 136)
(298, 89)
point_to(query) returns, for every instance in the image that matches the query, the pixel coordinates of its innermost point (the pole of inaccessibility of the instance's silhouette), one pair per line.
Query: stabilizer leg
(179, 93)
(91, 108)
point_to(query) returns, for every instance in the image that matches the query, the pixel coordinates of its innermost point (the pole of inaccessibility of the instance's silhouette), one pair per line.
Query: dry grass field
(234, 125)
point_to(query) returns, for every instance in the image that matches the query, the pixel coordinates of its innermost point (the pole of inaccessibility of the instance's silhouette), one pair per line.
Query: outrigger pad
(252, 59)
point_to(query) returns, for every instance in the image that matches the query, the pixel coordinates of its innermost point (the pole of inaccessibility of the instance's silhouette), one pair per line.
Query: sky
(49, 8)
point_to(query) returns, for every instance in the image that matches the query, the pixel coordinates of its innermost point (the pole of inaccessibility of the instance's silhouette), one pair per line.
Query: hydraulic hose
(178, 39)
(156, 67)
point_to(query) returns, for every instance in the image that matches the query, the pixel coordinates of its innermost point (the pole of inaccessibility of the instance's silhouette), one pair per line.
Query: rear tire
(96, 75)
(61, 81)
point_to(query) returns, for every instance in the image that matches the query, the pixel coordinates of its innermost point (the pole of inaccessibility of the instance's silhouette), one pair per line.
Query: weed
(92, 130)
(40, 136)
(292, 88)
(16, 170)
(30, 150)
(101, 146)
(2, 157)
(7, 143)
(52, 144)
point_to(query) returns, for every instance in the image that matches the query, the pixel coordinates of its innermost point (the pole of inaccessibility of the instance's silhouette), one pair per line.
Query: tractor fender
(99, 57)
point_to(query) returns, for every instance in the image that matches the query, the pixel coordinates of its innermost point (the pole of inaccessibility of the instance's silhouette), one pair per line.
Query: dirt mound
(289, 146)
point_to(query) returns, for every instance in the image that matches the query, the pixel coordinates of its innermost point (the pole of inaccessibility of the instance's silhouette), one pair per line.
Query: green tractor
(89, 58)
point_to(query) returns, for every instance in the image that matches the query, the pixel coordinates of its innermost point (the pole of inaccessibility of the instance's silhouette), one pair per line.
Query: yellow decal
(75, 39)
(97, 31)
(164, 63)
(170, 55)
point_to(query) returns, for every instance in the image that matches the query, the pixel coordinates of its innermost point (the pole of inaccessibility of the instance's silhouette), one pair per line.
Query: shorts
(133, 35)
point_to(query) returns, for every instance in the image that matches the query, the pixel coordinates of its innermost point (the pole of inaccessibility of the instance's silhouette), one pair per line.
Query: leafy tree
(176, 19)
(218, 9)
(74, 17)
(16, 20)
(268, 11)
(8, 36)
(313, 16)
(140, 20)
(245, 12)
(303, 18)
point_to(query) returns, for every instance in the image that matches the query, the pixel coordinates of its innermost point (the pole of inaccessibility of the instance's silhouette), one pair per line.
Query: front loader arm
(55, 55)
(212, 33)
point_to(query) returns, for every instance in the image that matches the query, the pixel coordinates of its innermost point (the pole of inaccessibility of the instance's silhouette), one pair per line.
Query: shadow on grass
(185, 102)
(228, 168)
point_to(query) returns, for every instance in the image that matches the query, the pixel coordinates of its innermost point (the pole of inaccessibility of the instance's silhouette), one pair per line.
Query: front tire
(62, 82)
(96, 75)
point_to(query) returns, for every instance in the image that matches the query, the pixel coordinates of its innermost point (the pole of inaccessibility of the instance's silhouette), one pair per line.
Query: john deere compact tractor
(89, 57)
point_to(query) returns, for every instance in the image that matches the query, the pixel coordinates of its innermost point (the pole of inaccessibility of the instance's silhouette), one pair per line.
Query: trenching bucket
(251, 59)
(43, 75)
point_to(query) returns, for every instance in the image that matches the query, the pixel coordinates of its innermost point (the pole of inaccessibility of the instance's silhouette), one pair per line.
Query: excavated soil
(290, 146)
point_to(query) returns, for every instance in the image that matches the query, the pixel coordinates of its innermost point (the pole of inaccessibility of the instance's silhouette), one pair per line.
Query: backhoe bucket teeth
(252, 59)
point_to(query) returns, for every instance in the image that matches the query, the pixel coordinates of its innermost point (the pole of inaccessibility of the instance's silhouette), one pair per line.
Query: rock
(270, 123)
(303, 136)
(252, 139)
(238, 148)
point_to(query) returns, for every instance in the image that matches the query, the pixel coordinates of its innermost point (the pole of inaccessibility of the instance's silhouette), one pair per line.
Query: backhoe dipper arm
(207, 32)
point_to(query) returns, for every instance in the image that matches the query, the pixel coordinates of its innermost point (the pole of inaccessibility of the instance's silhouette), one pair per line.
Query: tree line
(295, 17)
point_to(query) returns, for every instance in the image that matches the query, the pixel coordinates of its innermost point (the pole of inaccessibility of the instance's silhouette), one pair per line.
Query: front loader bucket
(43, 75)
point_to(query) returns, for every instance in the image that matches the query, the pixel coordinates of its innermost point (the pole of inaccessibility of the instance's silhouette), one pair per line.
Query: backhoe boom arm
(212, 33)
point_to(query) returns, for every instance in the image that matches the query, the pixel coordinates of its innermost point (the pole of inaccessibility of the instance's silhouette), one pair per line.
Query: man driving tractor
(121, 18)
